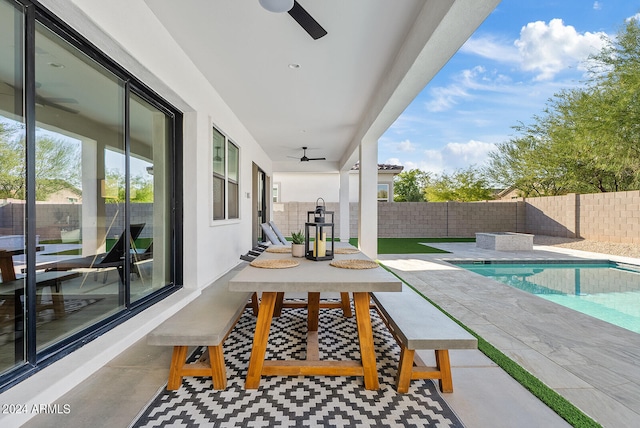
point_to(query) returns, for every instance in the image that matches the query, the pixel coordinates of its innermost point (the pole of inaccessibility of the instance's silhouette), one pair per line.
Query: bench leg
(444, 365)
(218, 369)
(345, 303)
(405, 368)
(213, 366)
(175, 370)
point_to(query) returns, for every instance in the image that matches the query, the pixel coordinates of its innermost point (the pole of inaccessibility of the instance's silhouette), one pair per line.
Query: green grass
(410, 245)
(548, 396)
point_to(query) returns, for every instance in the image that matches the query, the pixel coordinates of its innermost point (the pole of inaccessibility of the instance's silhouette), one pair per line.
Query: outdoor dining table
(313, 277)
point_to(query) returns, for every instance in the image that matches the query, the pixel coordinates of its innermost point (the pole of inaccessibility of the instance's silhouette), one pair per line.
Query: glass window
(12, 188)
(219, 155)
(226, 173)
(86, 193)
(80, 153)
(383, 192)
(234, 164)
(150, 186)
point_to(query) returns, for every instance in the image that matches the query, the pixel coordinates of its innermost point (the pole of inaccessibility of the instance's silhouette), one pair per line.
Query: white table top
(314, 276)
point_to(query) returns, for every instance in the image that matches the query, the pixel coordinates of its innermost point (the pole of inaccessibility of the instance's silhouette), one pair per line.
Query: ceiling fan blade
(306, 21)
(316, 158)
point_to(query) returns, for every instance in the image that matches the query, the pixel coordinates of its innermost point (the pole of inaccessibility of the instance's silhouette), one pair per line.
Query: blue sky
(522, 54)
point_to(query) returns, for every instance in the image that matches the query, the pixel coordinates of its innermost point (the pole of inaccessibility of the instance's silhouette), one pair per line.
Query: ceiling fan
(304, 157)
(298, 13)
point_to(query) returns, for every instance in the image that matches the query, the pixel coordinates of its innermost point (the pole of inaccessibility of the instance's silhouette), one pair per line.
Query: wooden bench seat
(206, 321)
(417, 324)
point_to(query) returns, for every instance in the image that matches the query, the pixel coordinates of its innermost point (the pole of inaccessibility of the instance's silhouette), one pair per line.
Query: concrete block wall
(609, 217)
(53, 218)
(291, 216)
(467, 218)
(612, 217)
(552, 215)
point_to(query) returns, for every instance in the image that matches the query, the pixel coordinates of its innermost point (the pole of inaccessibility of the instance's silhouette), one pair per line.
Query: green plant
(297, 237)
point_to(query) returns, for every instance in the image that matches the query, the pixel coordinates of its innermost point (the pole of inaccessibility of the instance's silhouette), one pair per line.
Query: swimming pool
(603, 289)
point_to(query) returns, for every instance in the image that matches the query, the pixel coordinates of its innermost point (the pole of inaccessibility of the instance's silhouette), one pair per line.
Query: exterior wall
(54, 218)
(307, 187)
(612, 217)
(552, 215)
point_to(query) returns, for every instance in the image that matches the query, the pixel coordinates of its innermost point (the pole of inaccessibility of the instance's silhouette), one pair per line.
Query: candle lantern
(318, 228)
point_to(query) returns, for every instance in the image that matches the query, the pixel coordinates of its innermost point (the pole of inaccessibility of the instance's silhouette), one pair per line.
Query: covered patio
(256, 81)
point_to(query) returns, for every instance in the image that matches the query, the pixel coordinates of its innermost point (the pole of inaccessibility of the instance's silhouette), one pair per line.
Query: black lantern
(317, 229)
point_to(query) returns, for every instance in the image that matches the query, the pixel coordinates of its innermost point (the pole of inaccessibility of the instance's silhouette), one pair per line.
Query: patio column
(344, 206)
(368, 200)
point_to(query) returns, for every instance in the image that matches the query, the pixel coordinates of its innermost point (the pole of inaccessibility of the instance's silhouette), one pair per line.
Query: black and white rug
(301, 401)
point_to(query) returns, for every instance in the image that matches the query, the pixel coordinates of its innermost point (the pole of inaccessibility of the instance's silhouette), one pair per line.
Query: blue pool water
(605, 290)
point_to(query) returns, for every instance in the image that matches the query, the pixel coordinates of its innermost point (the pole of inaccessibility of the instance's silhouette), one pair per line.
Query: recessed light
(56, 65)
(294, 66)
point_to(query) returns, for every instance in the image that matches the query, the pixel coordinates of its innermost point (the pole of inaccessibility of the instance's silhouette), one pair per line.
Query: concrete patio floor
(595, 365)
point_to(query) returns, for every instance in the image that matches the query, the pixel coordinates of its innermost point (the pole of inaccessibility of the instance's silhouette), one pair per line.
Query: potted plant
(297, 244)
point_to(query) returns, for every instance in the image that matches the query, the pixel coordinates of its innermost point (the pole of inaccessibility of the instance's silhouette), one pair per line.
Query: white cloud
(543, 49)
(597, 5)
(478, 78)
(636, 17)
(492, 48)
(549, 49)
(461, 155)
(405, 146)
(449, 158)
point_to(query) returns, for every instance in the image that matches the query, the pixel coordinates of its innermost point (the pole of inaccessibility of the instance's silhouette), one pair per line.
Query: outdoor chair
(113, 258)
(271, 236)
(278, 233)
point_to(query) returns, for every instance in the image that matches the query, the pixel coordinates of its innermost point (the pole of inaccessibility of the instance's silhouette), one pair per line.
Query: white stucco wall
(211, 248)
(297, 187)
(154, 57)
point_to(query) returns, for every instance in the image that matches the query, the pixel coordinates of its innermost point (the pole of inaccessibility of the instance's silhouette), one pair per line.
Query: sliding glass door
(87, 191)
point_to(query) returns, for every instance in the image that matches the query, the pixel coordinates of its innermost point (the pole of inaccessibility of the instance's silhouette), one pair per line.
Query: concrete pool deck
(593, 364)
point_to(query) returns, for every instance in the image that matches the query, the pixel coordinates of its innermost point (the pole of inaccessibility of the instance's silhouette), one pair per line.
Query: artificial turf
(410, 245)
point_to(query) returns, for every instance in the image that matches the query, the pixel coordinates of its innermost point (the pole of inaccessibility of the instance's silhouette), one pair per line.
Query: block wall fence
(609, 217)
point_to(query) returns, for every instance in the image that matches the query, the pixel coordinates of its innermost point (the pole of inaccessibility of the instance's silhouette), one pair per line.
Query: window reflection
(12, 189)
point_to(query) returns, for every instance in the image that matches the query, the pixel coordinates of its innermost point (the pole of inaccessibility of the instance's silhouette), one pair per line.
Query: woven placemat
(278, 249)
(354, 264)
(346, 251)
(275, 263)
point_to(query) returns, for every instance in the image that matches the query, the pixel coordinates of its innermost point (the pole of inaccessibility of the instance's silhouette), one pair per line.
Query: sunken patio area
(593, 364)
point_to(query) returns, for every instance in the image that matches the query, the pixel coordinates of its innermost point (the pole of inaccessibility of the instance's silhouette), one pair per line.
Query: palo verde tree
(57, 164)
(408, 186)
(587, 139)
(463, 185)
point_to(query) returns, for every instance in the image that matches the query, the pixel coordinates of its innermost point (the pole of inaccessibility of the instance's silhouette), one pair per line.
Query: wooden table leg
(313, 311)
(345, 303)
(365, 337)
(260, 339)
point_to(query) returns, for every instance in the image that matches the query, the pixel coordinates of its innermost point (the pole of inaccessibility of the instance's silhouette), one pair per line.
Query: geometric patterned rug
(289, 401)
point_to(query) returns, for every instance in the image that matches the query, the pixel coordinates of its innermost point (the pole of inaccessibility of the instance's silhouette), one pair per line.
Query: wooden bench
(206, 321)
(417, 324)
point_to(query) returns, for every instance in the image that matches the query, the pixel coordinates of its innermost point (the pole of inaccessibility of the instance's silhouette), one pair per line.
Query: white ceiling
(351, 84)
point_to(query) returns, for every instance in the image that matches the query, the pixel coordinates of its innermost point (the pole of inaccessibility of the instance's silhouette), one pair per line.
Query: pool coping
(593, 364)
